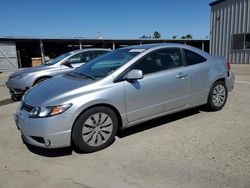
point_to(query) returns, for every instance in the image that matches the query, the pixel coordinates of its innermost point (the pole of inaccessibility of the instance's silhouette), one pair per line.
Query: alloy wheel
(97, 129)
(219, 95)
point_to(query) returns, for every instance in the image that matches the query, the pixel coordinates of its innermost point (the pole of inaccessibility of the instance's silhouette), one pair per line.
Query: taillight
(228, 66)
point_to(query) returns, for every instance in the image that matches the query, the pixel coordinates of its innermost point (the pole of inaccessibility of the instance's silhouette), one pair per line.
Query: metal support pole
(80, 44)
(141, 43)
(113, 46)
(19, 59)
(203, 46)
(42, 51)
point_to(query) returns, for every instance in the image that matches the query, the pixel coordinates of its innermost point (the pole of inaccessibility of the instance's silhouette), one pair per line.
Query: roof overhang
(216, 2)
(16, 38)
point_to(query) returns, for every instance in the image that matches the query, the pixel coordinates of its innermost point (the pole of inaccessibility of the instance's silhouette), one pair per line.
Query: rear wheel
(217, 96)
(95, 129)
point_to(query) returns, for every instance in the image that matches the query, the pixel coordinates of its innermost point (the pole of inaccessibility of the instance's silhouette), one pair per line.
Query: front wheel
(217, 96)
(95, 129)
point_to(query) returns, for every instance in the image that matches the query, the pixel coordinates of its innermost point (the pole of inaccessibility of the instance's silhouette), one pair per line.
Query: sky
(129, 19)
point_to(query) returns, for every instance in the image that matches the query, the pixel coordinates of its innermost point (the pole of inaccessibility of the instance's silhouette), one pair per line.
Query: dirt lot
(188, 149)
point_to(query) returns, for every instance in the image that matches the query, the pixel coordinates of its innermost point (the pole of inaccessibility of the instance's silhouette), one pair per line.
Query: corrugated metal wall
(8, 56)
(227, 18)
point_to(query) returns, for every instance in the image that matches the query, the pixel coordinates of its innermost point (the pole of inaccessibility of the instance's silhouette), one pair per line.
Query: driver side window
(160, 60)
(83, 57)
(86, 57)
(75, 58)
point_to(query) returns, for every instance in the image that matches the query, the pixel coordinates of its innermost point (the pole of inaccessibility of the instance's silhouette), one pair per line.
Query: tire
(217, 97)
(41, 80)
(95, 129)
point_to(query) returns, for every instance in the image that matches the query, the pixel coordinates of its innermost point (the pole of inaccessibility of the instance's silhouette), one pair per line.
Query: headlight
(20, 76)
(39, 112)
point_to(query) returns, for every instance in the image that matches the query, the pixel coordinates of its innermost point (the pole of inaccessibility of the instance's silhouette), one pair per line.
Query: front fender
(102, 102)
(111, 96)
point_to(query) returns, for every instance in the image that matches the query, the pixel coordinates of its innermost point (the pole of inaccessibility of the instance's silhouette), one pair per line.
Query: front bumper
(230, 81)
(16, 87)
(51, 132)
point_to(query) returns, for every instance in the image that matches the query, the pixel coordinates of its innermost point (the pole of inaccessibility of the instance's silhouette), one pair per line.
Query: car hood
(56, 90)
(31, 70)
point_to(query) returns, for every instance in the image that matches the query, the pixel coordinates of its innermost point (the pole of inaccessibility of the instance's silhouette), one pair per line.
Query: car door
(198, 69)
(164, 88)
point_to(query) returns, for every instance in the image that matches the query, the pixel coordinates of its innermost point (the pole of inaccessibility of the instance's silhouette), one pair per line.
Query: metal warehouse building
(230, 30)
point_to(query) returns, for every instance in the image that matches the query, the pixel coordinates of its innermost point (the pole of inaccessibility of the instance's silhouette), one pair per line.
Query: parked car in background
(20, 81)
(120, 89)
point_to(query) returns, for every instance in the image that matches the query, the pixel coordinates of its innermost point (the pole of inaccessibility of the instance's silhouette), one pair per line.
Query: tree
(145, 37)
(157, 35)
(174, 37)
(189, 36)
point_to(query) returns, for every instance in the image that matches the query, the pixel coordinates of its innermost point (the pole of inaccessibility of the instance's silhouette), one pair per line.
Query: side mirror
(67, 64)
(134, 74)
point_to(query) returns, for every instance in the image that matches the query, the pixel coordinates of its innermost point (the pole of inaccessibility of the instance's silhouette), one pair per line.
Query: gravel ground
(188, 149)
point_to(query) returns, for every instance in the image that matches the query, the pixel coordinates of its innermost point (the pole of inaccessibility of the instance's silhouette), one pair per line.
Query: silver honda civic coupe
(120, 89)
(22, 80)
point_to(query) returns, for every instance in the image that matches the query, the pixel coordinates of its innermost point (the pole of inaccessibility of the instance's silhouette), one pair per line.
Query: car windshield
(105, 64)
(57, 59)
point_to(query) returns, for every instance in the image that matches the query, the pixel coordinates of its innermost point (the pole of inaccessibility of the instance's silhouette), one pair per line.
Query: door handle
(181, 75)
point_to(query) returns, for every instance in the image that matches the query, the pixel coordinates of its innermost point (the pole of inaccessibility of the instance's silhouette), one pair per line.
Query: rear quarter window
(193, 58)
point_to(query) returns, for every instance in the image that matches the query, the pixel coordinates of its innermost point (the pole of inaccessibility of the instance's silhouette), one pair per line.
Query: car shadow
(158, 122)
(121, 134)
(55, 152)
(58, 152)
(6, 102)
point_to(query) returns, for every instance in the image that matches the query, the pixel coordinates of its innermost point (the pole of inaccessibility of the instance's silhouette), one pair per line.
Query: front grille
(26, 107)
(16, 91)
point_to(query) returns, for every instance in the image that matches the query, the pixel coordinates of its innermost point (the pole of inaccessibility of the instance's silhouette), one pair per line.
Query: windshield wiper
(86, 75)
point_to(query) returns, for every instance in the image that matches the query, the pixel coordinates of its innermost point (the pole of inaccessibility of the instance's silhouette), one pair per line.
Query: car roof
(89, 49)
(172, 45)
(154, 45)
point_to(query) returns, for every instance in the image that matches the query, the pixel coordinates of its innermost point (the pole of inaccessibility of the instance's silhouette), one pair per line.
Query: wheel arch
(209, 105)
(118, 115)
(220, 78)
(213, 82)
(39, 78)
